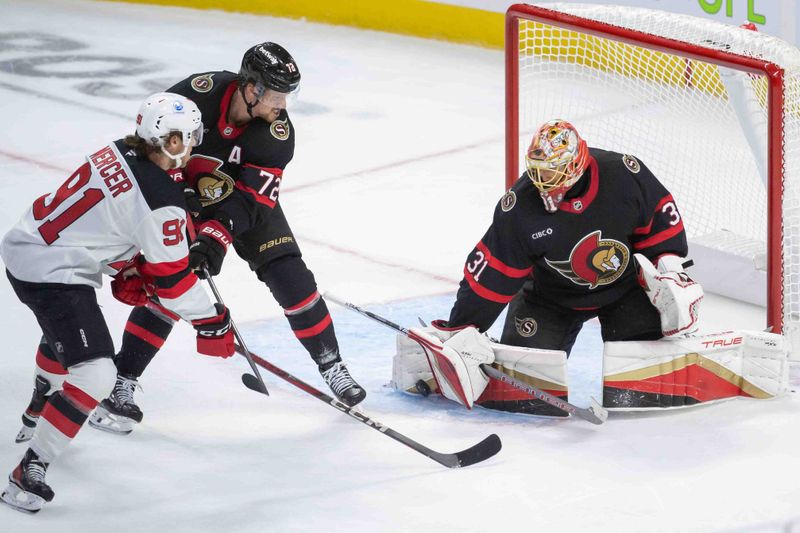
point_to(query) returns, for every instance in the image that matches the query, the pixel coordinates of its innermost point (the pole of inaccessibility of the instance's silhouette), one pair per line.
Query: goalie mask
(556, 159)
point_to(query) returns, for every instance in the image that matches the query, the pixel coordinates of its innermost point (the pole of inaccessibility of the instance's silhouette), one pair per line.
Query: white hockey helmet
(164, 113)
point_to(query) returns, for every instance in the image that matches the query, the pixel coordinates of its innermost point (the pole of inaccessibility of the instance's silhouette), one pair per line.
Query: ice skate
(41, 391)
(342, 384)
(118, 413)
(27, 490)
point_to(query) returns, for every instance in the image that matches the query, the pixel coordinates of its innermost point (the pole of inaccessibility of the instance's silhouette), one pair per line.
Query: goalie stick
(595, 413)
(475, 454)
(251, 381)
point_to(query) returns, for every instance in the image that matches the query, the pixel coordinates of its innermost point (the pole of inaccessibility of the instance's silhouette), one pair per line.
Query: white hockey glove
(676, 296)
(456, 362)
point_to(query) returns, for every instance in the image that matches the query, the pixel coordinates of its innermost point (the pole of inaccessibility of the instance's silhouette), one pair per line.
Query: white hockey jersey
(110, 209)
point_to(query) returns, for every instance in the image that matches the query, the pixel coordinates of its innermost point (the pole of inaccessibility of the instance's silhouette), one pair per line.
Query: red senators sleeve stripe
(483, 292)
(501, 267)
(254, 193)
(644, 230)
(659, 237)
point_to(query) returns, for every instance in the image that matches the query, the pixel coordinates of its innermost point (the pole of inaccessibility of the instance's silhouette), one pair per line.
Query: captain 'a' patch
(594, 261)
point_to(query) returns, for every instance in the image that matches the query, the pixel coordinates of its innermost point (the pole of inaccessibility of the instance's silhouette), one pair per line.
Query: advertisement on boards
(775, 17)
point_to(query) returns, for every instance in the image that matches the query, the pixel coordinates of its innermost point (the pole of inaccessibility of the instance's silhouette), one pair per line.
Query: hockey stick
(475, 454)
(251, 381)
(595, 414)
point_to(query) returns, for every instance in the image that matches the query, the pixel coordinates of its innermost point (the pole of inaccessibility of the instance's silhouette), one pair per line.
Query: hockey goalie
(586, 233)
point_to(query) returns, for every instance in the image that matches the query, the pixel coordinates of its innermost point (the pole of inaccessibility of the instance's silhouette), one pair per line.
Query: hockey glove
(131, 287)
(214, 334)
(443, 330)
(193, 204)
(676, 296)
(208, 250)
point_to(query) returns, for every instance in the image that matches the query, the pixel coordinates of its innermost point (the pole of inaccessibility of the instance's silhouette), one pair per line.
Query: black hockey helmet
(269, 66)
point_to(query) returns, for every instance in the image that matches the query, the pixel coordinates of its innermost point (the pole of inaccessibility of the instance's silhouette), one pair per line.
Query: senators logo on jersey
(594, 261)
(211, 183)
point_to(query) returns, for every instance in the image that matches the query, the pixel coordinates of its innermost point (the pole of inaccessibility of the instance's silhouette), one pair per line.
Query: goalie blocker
(544, 369)
(682, 372)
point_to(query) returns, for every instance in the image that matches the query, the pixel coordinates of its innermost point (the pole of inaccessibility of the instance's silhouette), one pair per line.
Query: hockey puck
(422, 388)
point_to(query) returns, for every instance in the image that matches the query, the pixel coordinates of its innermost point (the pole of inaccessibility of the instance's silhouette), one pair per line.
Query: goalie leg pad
(543, 369)
(672, 373)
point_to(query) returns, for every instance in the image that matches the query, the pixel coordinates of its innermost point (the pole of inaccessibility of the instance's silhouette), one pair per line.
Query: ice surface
(398, 166)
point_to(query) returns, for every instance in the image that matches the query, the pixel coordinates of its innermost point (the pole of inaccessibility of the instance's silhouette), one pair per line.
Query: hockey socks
(145, 333)
(48, 379)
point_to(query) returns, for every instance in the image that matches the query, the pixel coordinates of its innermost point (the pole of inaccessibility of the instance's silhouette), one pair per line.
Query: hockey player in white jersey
(118, 214)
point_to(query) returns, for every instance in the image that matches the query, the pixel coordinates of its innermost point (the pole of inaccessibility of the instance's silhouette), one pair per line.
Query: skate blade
(22, 500)
(25, 434)
(110, 423)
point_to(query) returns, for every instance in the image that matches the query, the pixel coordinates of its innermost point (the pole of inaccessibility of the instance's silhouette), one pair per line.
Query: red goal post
(712, 109)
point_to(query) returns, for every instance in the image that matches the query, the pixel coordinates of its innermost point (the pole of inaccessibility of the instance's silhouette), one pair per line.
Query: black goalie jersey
(241, 165)
(580, 257)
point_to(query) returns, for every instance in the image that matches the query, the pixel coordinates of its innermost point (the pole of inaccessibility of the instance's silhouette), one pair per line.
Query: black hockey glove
(209, 248)
(192, 202)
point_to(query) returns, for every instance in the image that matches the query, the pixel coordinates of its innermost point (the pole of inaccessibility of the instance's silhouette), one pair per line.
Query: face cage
(553, 189)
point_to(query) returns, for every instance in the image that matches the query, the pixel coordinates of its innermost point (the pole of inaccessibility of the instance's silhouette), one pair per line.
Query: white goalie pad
(544, 369)
(681, 372)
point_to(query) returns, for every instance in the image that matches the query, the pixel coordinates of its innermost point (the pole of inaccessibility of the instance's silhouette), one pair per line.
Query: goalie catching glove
(676, 296)
(455, 357)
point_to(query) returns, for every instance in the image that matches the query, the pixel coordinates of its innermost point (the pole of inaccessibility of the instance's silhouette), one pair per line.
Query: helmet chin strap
(246, 103)
(177, 158)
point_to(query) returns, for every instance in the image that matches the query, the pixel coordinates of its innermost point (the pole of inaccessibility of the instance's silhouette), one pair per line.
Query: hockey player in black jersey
(117, 207)
(234, 180)
(563, 248)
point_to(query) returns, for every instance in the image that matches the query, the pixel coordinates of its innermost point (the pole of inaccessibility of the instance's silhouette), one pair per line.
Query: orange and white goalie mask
(556, 159)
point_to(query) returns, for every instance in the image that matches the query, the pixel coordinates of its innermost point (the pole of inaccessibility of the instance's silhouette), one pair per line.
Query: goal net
(712, 109)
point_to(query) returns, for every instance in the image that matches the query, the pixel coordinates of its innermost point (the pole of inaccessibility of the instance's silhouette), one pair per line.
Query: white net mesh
(700, 128)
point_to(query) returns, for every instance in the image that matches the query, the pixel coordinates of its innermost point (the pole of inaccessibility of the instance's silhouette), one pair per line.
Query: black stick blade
(485, 449)
(253, 383)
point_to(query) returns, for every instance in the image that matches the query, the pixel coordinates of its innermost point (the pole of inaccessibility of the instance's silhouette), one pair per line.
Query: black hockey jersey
(581, 256)
(236, 170)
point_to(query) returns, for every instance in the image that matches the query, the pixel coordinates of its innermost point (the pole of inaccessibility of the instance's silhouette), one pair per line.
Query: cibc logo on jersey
(213, 185)
(594, 261)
